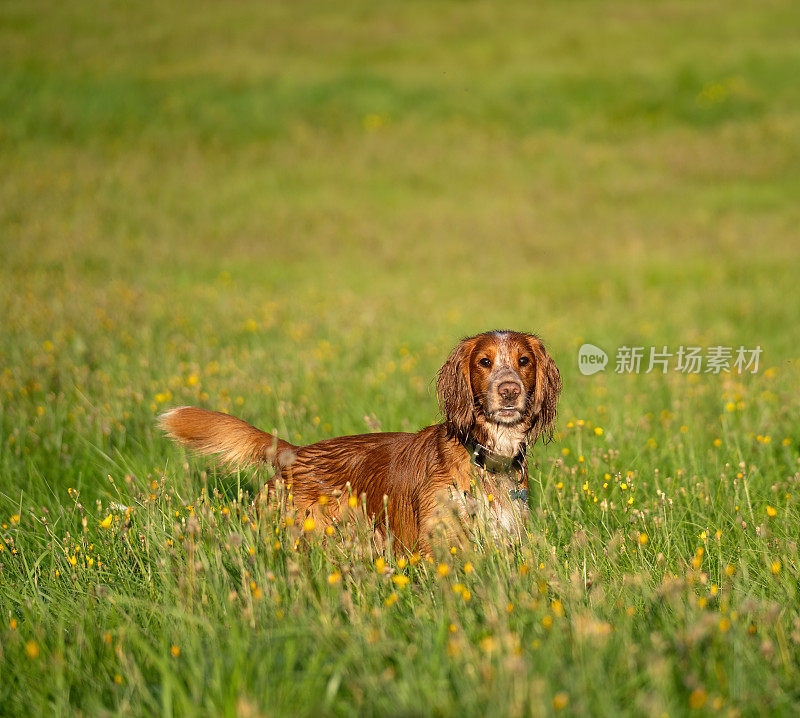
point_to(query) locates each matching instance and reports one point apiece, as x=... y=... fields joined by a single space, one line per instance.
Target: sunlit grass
x=666 y=586
x=292 y=213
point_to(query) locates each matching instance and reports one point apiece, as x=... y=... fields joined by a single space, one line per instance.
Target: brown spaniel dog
x=498 y=392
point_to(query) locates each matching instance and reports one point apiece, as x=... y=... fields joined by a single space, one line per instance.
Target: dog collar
x=490 y=461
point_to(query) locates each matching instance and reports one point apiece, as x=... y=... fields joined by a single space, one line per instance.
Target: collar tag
x=518 y=495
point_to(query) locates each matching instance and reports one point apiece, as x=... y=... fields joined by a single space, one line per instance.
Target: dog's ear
x=548 y=389
x=454 y=390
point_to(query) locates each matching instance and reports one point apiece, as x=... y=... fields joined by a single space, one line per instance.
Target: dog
x=498 y=392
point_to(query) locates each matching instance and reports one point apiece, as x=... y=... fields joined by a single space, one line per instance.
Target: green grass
x=292 y=211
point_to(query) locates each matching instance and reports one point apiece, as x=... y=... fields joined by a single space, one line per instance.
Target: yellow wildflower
x=560 y=701
x=488 y=644
x=697 y=699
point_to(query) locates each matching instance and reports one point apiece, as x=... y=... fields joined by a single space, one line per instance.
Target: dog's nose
x=509 y=391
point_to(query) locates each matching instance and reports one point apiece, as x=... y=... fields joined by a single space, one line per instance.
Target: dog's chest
x=490 y=504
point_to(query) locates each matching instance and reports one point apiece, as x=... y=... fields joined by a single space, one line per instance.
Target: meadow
x=292 y=212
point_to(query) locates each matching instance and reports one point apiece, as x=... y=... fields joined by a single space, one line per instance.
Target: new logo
x=591 y=359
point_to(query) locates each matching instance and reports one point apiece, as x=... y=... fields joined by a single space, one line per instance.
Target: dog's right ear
x=454 y=391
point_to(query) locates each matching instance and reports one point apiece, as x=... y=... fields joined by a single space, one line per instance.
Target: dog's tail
x=234 y=442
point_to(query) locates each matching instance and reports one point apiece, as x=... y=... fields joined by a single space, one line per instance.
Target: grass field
x=292 y=212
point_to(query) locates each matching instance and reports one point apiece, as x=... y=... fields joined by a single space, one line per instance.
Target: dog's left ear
x=548 y=389
x=454 y=391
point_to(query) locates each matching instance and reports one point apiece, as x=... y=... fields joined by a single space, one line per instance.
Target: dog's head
x=502 y=378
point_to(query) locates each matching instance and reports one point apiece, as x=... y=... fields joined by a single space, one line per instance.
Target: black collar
x=490 y=461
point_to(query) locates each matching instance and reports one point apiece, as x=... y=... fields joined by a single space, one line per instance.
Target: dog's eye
x=485 y=362
x=524 y=361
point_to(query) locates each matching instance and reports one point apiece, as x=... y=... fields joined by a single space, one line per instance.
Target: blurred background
x=293 y=210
